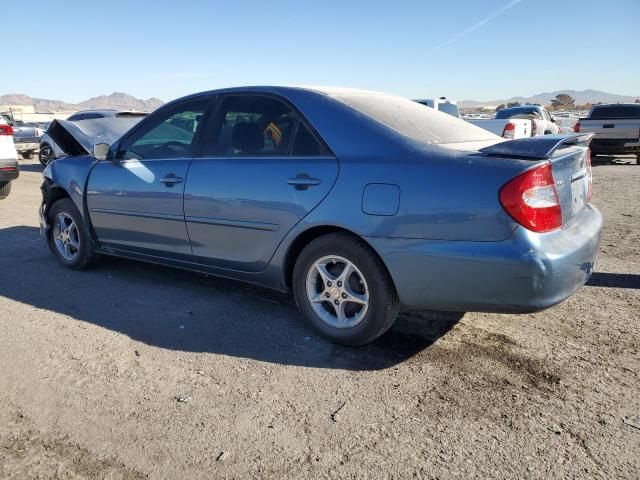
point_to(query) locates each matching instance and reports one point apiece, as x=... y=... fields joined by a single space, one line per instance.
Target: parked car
x=441 y=104
x=511 y=128
x=26 y=136
x=566 y=124
x=399 y=206
x=9 y=169
x=542 y=121
x=50 y=150
x=616 y=129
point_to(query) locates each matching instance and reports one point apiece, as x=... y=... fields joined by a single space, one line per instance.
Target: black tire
x=638 y=159
x=46 y=154
x=85 y=254
x=27 y=155
x=383 y=305
x=5 y=190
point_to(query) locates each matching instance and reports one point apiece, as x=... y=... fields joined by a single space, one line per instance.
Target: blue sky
x=482 y=50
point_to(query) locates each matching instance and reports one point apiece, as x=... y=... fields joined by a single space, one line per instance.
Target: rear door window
x=258 y=126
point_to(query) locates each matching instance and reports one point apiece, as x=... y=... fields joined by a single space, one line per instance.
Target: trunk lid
x=570 y=165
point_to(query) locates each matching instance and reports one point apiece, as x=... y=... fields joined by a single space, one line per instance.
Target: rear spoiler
x=537 y=148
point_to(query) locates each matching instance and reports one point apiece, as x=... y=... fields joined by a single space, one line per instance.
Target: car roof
x=284 y=89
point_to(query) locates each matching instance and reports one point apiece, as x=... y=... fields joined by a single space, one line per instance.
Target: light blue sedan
x=360 y=203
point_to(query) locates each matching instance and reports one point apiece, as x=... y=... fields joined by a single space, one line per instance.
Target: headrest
x=247 y=138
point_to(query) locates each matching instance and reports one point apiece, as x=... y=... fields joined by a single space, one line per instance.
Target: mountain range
x=580 y=96
x=117 y=101
x=123 y=101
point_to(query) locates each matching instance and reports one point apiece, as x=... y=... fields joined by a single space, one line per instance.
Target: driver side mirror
x=100 y=151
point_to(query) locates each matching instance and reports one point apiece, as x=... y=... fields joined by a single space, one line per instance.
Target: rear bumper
x=9 y=170
x=525 y=273
x=614 y=145
x=26 y=146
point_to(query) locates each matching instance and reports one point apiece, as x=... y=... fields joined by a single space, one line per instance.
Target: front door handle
x=303 y=181
x=170 y=180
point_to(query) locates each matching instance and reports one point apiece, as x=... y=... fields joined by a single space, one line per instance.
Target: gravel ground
x=94 y=364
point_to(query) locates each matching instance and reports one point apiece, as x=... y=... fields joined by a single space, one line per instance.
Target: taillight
x=6 y=130
x=589 y=175
x=533 y=128
x=531 y=199
x=509 y=131
x=576 y=129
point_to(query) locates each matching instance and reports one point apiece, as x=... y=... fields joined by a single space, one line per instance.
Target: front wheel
x=27 y=155
x=344 y=290
x=68 y=239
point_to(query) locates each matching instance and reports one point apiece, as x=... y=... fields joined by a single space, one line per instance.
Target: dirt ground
x=92 y=365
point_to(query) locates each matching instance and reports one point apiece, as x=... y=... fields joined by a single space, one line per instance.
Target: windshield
x=616 y=111
x=413 y=120
x=512 y=112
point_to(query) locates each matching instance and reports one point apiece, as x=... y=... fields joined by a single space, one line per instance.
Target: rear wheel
x=638 y=159
x=344 y=290
x=46 y=155
x=5 y=189
x=27 y=155
x=68 y=239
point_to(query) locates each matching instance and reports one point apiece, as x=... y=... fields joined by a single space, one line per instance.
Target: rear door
x=135 y=201
x=262 y=169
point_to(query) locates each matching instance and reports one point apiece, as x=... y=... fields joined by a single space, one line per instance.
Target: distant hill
x=581 y=97
x=117 y=101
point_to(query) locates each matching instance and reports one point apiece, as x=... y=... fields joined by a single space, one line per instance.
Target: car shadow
x=186 y=311
x=614 y=280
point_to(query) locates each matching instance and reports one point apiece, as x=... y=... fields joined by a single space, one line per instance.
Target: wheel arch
x=53 y=193
x=307 y=236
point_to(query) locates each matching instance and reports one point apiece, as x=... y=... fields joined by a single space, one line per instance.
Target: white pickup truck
x=510 y=128
x=542 y=123
x=616 y=128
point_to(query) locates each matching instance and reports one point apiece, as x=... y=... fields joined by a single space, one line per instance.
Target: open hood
x=79 y=137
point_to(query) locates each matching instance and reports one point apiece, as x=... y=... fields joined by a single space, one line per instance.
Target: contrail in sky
x=469 y=30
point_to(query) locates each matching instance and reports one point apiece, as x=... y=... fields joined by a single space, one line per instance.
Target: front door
x=262 y=170
x=135 y=201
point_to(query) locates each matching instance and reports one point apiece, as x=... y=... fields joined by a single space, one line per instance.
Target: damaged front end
x=78 y=137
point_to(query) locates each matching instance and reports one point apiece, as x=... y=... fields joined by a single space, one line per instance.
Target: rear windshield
x=413 y=120
x=512 y=112
x=616 y=111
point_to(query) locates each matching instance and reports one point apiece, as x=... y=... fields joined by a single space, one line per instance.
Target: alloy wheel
x=337 y=291
x=66 y=236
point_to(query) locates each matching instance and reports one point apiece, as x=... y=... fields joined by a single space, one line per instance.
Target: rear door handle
x=303 y=181
x=170 y=180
